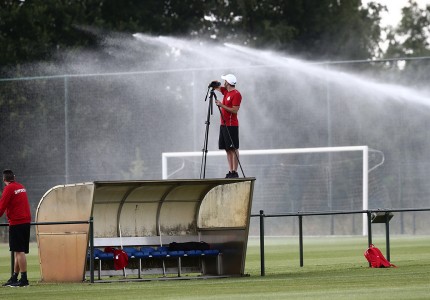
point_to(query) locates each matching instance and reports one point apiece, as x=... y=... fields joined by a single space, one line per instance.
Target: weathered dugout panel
x=63 y=248
x=216 y=211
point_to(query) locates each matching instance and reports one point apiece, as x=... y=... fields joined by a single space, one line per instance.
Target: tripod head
x=214 y=84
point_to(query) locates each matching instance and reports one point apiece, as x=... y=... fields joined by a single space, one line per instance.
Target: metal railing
x=90 y=237
x=300 y=216
x=262 y=216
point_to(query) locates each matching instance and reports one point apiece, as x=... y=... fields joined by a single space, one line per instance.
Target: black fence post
x=301 y=239
x=263 y=271
x=91 y=250
x=387 y=234
x=369 y=228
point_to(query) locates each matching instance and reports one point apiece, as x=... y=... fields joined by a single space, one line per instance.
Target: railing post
x=369 y=228
x=91 y=250
x=301 y=239
x=387 y=234
x=263 y=271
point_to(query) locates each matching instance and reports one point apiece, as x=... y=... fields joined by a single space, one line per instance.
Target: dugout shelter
x=142 y=213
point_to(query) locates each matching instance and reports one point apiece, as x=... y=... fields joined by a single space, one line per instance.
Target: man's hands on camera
x=214 y=84
x=218 y=103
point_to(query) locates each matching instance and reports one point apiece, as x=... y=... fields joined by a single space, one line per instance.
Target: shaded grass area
x=334 y=268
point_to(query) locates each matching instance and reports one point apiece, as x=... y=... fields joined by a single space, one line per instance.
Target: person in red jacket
x=229 y=129
x=14 y=202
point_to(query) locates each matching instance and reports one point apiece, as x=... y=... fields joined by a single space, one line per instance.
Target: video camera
x=214 y=84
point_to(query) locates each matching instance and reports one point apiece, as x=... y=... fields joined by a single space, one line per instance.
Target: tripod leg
x=205 y=144
x=204 y=154
x=236 y=161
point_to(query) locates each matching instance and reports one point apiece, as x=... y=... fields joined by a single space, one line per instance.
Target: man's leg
x=20 y=262
x=229 y=160
x=21 y=266
x=235 y=159
x=14 y=278
x=232 y=160
x=233 y=153
x=16 y=264
x=19 y=238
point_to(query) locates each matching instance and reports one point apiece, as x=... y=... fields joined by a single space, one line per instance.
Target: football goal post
x=306 y=179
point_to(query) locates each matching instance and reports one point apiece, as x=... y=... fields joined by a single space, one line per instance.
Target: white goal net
x=292 y=180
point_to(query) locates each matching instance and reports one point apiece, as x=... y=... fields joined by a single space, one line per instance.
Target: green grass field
x=334 y=268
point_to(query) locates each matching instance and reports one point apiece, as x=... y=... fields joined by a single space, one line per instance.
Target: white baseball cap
x=230 y=78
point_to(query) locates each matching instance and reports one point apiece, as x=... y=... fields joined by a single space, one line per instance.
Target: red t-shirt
x=120 y=257
x=232 y=98
x=14 y=202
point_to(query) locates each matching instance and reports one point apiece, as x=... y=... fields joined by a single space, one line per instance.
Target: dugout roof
x=216 y=211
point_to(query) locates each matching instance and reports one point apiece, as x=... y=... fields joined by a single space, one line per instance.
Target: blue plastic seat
x=194 y=253
x=211 y=252
x=130 y=251
x=147 y=249
x=97 y=253
x=159 y=254
x=176 y=253
x=105 y=256
x=140 y=254
x=144 y=252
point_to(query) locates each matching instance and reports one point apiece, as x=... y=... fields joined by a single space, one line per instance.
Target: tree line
x=34 y=30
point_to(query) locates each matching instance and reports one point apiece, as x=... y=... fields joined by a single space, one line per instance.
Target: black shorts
x=224 y=141
x=19 y=237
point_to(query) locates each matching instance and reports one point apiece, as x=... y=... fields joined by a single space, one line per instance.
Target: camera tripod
x=205 y=145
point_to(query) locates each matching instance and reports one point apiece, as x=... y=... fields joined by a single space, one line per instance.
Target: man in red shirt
x=14 y=202
x=229 y=130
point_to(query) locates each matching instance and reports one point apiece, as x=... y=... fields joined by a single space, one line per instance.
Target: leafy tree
x=324 y=29
x=411 y=39
x=35 y=30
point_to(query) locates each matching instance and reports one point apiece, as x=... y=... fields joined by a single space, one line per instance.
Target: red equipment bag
x=376 y=259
